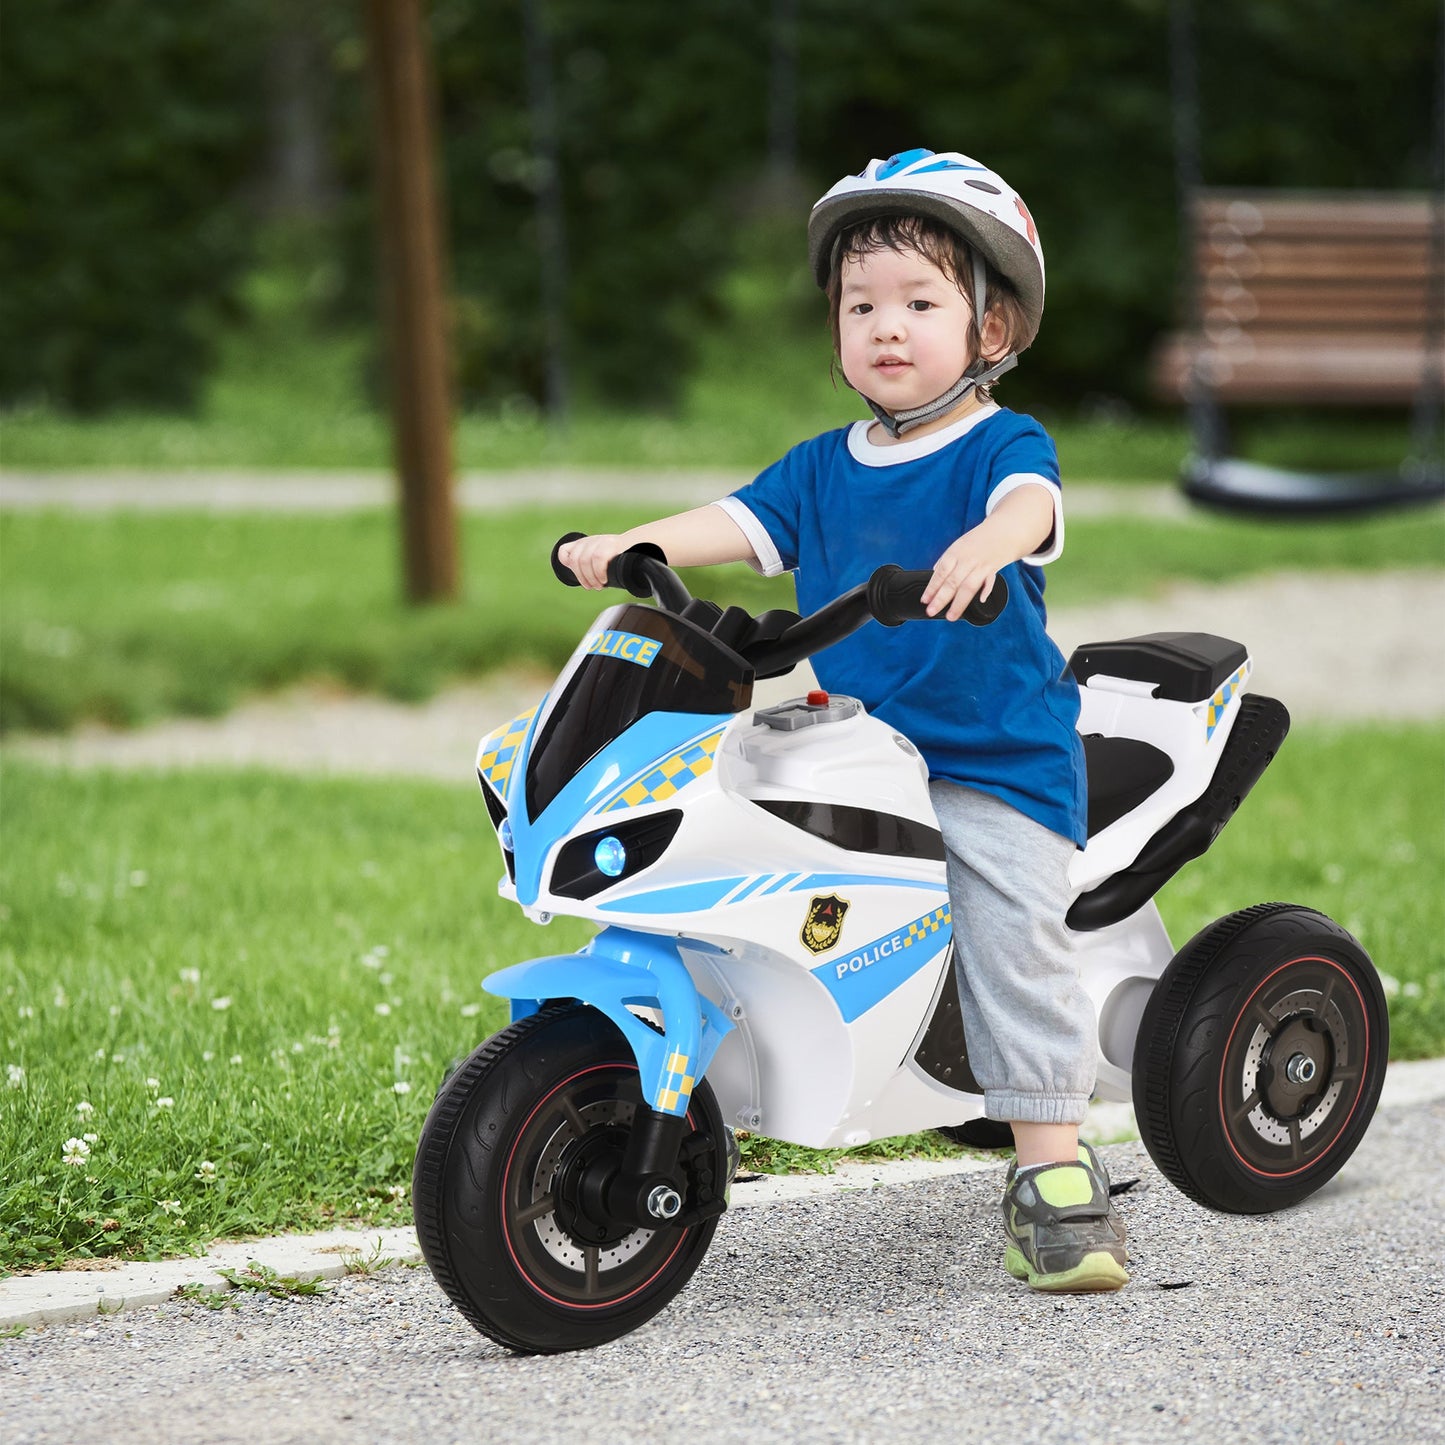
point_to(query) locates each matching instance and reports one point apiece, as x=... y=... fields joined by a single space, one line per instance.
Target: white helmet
x=951 y=188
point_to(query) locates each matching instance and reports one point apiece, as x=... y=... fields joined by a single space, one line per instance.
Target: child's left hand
x=1017 y=527
x=964 y=572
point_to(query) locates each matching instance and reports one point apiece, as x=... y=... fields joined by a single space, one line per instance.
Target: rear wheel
x=501 y=1209
x=1260 y=1058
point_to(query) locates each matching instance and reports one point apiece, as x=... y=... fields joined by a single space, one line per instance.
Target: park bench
x=1309 y=299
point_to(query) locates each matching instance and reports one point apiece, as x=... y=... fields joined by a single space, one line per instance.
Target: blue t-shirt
x=989 y=707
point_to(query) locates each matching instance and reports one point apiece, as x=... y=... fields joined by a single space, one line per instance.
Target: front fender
x=617 y=968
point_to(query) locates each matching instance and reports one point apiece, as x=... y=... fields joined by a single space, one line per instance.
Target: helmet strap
x=896 y=424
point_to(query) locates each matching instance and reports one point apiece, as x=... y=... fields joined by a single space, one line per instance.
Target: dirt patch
x=1341 y=647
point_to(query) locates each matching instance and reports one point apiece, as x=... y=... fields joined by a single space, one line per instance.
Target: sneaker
x=1064 y=1233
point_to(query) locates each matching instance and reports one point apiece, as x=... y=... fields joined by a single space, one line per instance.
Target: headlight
x=610 y=856
x=597 y=860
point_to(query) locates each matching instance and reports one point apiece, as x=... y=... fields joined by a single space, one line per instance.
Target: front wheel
x=1260 y=1058
x=502 y=1227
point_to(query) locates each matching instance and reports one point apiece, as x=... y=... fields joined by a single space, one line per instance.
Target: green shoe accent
x=1065 y=1185
x=1094 y=1274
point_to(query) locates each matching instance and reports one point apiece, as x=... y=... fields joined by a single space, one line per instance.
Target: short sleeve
x=768 y=510
x=1030 y=459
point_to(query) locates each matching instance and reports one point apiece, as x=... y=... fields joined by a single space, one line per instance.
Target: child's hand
x=588 y=557
x=1016 y=528
x=964 y=572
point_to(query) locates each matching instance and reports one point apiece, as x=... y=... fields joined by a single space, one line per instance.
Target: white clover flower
x=191 y=975
x=84 y=1109
x=117 y=1058
x=59 y=999
x=298 y=1047
x=99 y=1055
x=235 y=1058
x=206 y=1173
x=396 y=1191
x=381 y=951
x=26 y=1011
x=153 y=1084
x=114 y=1010
x=165 y=1102
x=383 y=1009
x=75 y=1152
x=401 y=1087
x=221 y=1004
x=14 y=1076
x=91 y=1138
x=471 y=1010
x=169 y=1206
x=207 y=1055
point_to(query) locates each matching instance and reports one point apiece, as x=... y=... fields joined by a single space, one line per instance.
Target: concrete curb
x=56 y=1296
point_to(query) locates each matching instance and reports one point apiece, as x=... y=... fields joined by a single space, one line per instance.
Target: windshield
x=635 y=660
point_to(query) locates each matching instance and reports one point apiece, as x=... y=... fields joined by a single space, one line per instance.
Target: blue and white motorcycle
x=774 y=953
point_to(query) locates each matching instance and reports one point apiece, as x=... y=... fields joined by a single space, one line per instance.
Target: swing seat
x=1231 y=485
x=1326 y=298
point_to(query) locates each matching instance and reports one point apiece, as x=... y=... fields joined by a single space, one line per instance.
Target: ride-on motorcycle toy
x=775 y=952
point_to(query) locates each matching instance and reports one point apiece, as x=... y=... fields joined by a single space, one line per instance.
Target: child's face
x=903 y=329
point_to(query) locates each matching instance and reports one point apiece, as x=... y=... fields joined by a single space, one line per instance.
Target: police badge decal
x=824 y=923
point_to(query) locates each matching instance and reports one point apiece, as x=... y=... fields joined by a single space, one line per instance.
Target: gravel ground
x=841 y=1319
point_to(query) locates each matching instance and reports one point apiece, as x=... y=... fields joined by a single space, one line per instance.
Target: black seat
x=1122 y=772
x=1184 y=666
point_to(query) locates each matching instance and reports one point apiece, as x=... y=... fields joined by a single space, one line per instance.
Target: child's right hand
x=588 y=558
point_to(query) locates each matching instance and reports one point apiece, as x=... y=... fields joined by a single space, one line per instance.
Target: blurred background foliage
x=155 y=156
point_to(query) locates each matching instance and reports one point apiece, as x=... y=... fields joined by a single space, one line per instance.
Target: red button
x=818 y=698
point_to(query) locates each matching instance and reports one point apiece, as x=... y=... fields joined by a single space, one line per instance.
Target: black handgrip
x=623 y=571
x=565 y=575
x=896 y=597
x=629 y=571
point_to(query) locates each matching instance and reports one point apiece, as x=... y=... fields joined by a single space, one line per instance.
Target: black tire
x=1260 y=1057
x=979 y=1134
x=494 y=1142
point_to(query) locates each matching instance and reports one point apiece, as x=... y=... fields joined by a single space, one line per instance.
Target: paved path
x=134 y=489
x=858 y=1317
x=1341 y=648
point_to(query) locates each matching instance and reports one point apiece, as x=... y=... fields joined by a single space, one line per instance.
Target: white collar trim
x=872 y=455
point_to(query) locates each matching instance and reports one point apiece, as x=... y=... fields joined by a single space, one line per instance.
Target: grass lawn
x=134 y=615
x=244 y=987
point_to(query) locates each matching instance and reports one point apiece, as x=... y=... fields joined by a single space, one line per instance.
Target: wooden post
x=412 y=270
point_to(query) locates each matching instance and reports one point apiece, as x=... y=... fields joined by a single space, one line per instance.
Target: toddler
x=935 y=283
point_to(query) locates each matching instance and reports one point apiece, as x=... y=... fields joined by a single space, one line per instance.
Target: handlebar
x=891 y=596
x=641 y=570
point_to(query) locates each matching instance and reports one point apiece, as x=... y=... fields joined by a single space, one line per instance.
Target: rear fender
x=617 y=968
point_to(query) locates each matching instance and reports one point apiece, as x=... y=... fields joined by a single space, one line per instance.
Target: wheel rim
x=1294 y=1067
x=569 y=1259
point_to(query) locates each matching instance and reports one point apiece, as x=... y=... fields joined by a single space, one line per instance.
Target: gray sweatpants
x=1029 y=1026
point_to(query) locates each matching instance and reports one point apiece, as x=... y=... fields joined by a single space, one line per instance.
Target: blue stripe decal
x=867 y=975
x=781 y=883
x=688 y=898
x=752 y=887
x=857 y=880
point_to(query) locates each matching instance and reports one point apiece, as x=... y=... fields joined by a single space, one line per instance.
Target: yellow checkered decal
x=668 y=777
x=929 y=923
x=1221 y=700
x=500 y=748
x=676 y=1088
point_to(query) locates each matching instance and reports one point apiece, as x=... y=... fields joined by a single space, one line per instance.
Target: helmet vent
x=982 y=186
